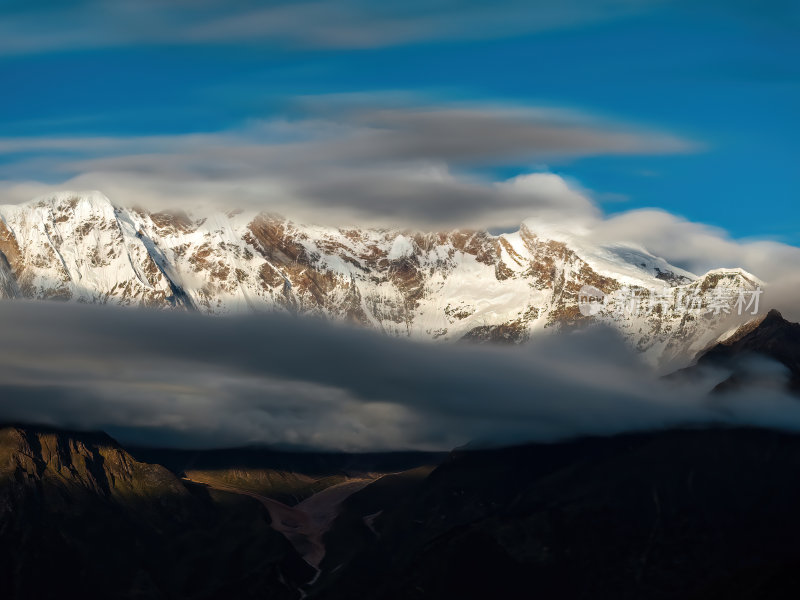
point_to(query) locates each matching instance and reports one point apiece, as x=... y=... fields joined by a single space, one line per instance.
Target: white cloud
x=86 y=24
x=699 y=248
x=347 y=159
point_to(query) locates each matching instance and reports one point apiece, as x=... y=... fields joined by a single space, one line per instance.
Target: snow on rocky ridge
x=444 y=285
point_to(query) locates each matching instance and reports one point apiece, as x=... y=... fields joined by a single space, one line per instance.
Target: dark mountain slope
x=676 y=514
x=709 y=513
x=761 y=355
x=773 y=337
x=81 y=518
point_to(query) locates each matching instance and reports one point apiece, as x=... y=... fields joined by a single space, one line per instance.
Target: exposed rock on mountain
x=437 y=285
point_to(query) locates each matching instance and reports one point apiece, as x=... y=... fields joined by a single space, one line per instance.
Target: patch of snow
x=401 y=248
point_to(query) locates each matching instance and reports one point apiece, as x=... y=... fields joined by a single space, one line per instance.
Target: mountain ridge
x=80 y=517
x=448 y=285
x=676 y=513
x=771 y=337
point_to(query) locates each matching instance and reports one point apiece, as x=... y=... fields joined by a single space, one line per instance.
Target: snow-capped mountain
x=445 y=285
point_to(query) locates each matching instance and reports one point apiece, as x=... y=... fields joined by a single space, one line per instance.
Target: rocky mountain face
x=81 y=518
x=437 y=285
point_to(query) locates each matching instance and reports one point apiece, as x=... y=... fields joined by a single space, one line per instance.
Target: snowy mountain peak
x=447 y=285
x=76 y=202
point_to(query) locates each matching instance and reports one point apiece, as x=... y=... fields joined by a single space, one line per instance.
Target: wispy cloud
x=48 y=26
x=696 y=246
x=398 y=160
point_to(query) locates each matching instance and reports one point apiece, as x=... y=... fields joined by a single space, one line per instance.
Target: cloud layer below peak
x=186 y=380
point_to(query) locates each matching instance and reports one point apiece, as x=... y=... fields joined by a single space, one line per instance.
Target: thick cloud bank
x=187 y=380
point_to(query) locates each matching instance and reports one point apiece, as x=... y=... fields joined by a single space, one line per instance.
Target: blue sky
x=722 y=77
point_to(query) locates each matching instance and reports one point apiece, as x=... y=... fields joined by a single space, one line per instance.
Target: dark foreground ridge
x=81 y=518
x=706 y=513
